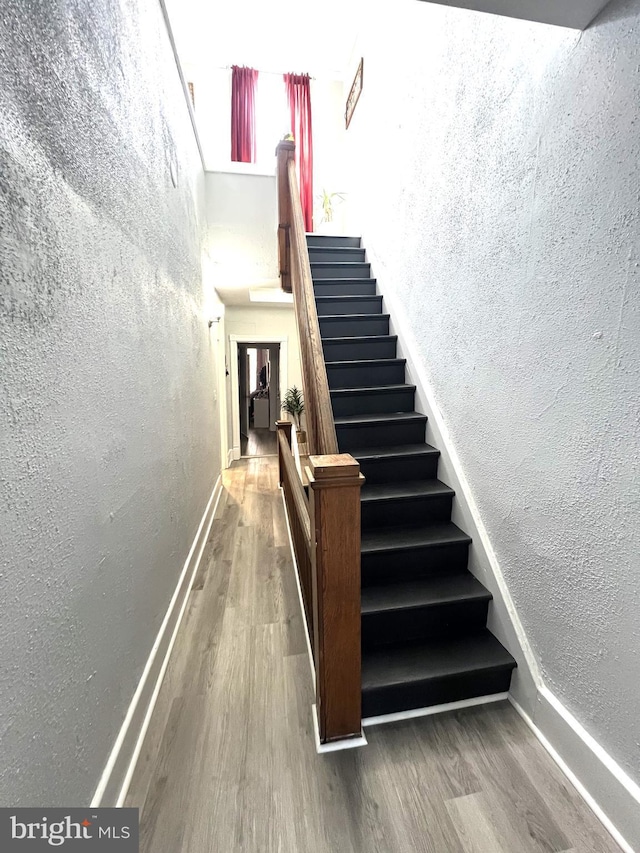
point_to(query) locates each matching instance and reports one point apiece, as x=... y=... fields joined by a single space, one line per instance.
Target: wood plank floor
x=260 y=442
x=229 y=762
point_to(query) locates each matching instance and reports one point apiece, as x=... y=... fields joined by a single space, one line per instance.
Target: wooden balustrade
x=297 y=505
x=296 y=276
x=325 y=527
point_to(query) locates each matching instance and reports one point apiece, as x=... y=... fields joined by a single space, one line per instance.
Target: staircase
x=424 y=635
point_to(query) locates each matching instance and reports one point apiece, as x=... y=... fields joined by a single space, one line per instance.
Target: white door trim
x=234 y=340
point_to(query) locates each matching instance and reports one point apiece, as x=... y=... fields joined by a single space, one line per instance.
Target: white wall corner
x=116 y=777
x=605 y=787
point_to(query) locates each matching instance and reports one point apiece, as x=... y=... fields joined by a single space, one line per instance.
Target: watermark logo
x=74 y=830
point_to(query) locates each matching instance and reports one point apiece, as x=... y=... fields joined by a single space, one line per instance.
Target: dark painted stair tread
x=326 y=238
x=366 y=362
x=380 y=417
x=410 y=489
x=328 y=247
x=345 y=317
x=342 y=281
x=399 y=538
x=361 y=339
x=393 y=451
x=370 y=389
x=423 y=612
x=349 y=297
x=433 y=659
x=429 y=592
x=348 y=265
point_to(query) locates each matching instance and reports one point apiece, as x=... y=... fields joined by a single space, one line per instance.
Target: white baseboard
x=116 y=777
x=605 y=787
x=414 y=713
x=336 y=745
x=235 y=454
x=230 y=457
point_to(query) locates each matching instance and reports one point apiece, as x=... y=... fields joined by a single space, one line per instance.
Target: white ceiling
x=305 y=37
x=565 y=13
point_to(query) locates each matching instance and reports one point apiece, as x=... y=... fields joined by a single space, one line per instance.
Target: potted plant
x=293 y=404
x=328 y=201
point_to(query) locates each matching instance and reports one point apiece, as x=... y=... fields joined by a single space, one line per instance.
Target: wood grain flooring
x=229 y=762
x=260 y=442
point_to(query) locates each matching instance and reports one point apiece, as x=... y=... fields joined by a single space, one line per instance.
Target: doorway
x=278 y=378
x=258 y=397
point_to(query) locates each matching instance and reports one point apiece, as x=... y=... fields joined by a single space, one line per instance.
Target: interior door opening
x=259 y=397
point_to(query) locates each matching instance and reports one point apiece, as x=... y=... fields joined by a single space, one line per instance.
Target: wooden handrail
x=325 y=527
x=296 y=276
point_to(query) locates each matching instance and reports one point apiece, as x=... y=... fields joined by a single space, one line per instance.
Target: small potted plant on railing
x=293 y=404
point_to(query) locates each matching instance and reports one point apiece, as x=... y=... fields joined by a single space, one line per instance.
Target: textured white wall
x=242 y=229
x=496 y=166
x=110 y=444
x=327 y=103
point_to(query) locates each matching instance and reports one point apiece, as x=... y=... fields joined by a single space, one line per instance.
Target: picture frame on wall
x=354 y=93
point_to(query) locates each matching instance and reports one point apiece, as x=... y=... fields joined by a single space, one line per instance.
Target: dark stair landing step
x=366 y=373
x=353 y=325
x=430 y=608
x=345 y=287
x=414 y=502
x=356 y=349
x=394 y=554
x=332 y=240
x=396 y=463
x=336 y=254
x=400 y=678
x=351 y=304
x=368 y=401
x=339 y=269
x=374 y=430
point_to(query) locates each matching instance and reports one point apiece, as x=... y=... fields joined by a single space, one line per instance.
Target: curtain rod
x=259 y=70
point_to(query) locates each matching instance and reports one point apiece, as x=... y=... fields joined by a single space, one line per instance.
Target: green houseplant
x=327 y=204
x=293 y=404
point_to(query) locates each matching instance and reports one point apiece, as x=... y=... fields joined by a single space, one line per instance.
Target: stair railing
x=325 y=525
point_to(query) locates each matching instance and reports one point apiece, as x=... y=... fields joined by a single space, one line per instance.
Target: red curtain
x=243 y=114
x=299 y=95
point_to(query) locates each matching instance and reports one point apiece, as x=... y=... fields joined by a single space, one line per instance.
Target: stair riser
x=369 y=404
x=413 y=563
x=406 y=512
x=364 y=305
x=423 y=623
x=365 y=375
x=400 y=469
x=380 y=435
x=346 y=351
x=386 y=700
x=351 y=287
x=354 y=327
x=337 y=255
x=329 y=240
x=351 y=270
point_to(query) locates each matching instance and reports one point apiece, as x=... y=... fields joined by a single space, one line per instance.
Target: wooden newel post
x=284 y=152
x=334 y=500
x=285 y=428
